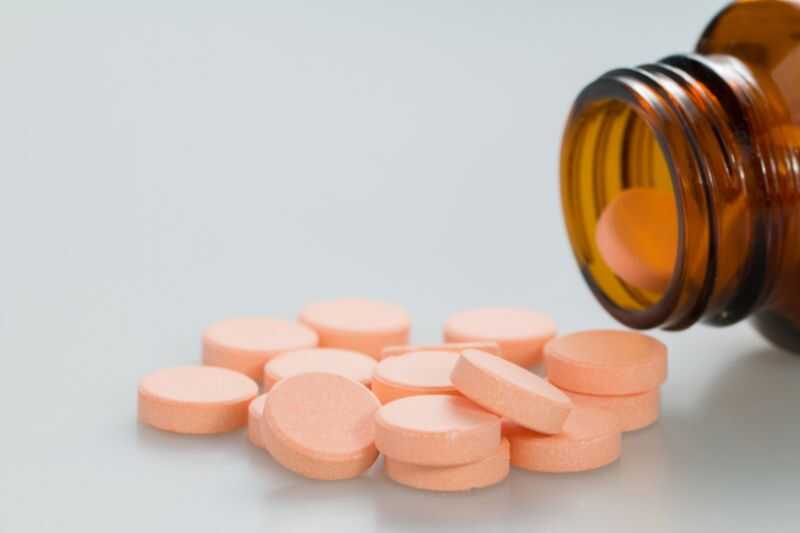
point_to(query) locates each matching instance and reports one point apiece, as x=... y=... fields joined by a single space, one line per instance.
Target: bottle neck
x=725 y=162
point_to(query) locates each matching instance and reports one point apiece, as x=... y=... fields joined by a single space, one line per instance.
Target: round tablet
x=480 y=474
x=458 y=347
x=361 y=325
x=634 y=411
x=436 y=430
x=254 y=416
x=637 y=237
x=354 y=365
x=414 y=374
x=519 y=332
x=591 y=439
x=310 y=466
x=320 y=425
x=510 y=391
x=195 y=399
x=606 y=362
x=245 y=344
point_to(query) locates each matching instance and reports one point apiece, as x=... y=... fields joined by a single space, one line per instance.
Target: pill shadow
x=312 y=490
x=209 y=448
x=392 y=506
x=343 y=505
x=262 y=462
x=747 y=414
x=149 y=438
x=399 y=507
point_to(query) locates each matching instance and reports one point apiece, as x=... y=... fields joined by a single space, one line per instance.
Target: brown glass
x=720 y=128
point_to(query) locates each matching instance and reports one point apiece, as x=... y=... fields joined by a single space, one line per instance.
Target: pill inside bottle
x=630 y=219
x=637 y=236
x=624 y=217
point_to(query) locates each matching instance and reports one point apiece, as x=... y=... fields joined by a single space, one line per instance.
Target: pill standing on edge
x=633 y=411
x=255 y=412
x=357 y=324
x=511 y=391
x=436 y=430
x=490 y=346
x=482 y=473
x=591 y=439
x=637 y=236
x=520 y=333
x=195 y=399
x=354 y=365
x=245 y=344
x=320 y=425
x=413 y=374
x=606 y=362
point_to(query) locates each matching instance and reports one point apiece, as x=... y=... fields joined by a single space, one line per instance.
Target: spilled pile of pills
x=342 y=386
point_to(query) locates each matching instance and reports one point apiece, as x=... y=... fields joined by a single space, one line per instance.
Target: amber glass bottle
x=717 y=133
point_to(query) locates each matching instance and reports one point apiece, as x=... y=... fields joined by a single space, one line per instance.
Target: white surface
x=173 y=163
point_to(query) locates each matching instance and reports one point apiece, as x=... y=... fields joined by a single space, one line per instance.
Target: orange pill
x=436 y=430
x=320 y=425
x=520 y=333
x=591 y=439
x=245 y=344
x=637 y=237
x=511 y=391
x=354 y=365
x=195 y=399
x=391 y=351
x=313 y=467
x=414 y=374
x=255 y=413
x=633 y=411
x=480 y=474
x=606 y=362
x=365 y=326
x=506 y=426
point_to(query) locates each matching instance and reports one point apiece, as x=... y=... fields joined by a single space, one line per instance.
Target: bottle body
x=681 y=180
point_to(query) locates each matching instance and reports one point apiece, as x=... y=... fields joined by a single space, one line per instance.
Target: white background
x=168 y=164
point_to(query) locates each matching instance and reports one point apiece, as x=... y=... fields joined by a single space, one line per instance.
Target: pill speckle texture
x=320 y=425
x=591 y=439
x=342 y=386
x=480 y=474
x=245 y=344
x=354 y=365
x=436 y=431
x=520 y=333
x=606 y=362
x=511 y=391
x=357 y=324
x=195 y=399
x=633 y=411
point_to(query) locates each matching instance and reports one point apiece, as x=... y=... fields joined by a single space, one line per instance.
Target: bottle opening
x=665 y=172
x=620 y=207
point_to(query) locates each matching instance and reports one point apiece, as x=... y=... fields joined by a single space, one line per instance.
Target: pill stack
x=341 y=386
x=619 y=371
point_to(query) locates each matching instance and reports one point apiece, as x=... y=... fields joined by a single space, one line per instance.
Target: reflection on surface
x=749 y=412
x=405 y=508
x=151 y=439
